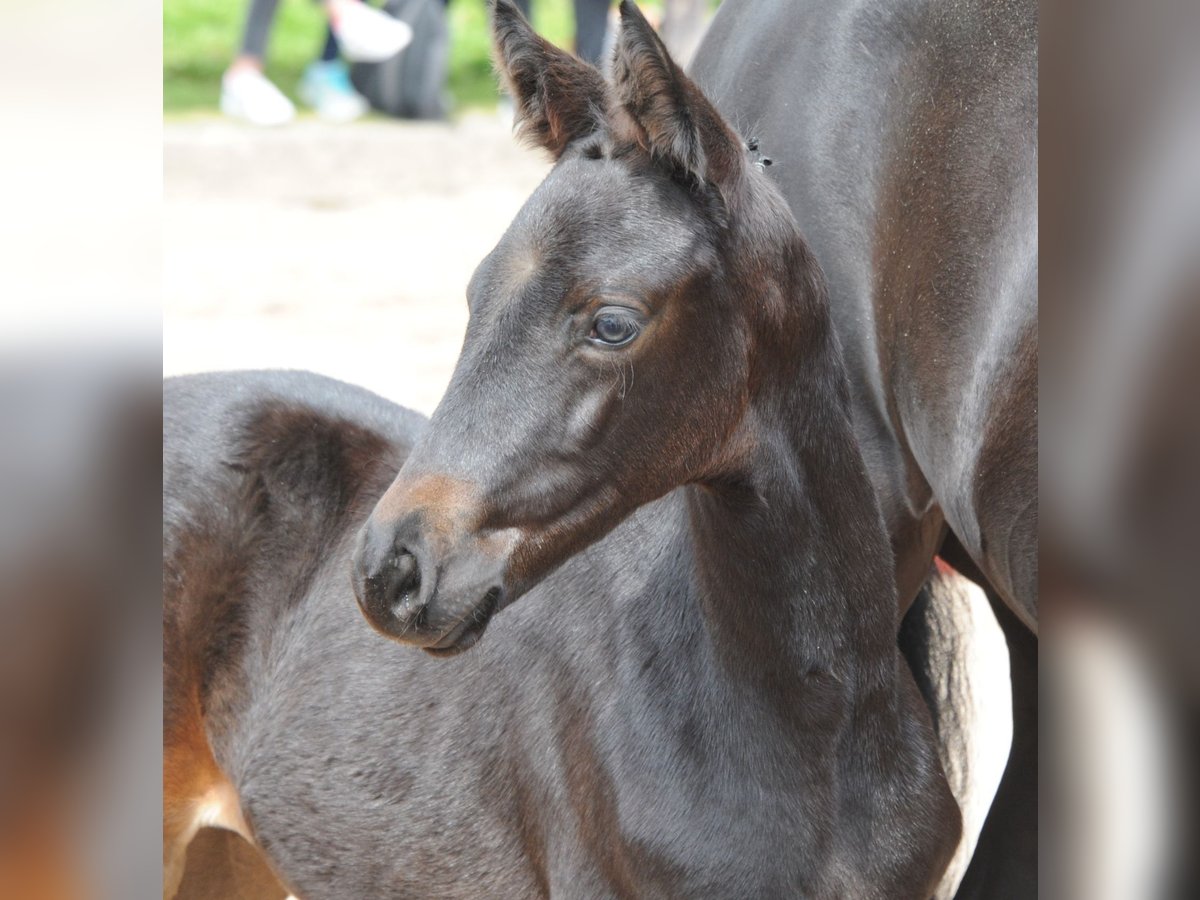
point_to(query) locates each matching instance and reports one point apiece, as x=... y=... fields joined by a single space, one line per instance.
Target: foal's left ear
x=679 y=125
x=558 y=97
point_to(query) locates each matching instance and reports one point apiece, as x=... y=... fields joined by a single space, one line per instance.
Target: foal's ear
x=680 y=126
x=558 y=97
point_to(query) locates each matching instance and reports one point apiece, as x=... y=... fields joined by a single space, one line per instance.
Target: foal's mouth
x=466 y=632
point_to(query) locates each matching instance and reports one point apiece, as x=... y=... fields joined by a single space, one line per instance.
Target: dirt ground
x=344 y=249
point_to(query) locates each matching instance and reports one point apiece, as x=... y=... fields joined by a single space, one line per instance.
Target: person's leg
x=246 y=93
x=591 y=24
x=330 y=51
x=259 y=18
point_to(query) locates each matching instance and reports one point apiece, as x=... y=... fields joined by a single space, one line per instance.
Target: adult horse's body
x=903 y=135
x=645 y=464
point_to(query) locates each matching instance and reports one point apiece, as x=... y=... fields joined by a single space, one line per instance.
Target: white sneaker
x=366 y=34
x=250 y=96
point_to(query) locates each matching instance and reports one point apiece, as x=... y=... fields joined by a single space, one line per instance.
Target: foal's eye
x=613 y=328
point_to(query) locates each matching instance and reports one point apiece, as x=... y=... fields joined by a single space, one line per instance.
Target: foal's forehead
x=600 y=214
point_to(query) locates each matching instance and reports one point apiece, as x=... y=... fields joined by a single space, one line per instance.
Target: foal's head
x=651 y=289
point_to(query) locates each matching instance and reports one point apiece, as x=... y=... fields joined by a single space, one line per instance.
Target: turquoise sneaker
x=326 y=88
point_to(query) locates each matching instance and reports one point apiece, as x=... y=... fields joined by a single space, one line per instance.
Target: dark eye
x=613 y=329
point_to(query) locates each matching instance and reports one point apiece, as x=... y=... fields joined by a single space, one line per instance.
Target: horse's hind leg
x=196 y=793
x=221 y=865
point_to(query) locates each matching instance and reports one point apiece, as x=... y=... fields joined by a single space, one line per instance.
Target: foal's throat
x=792 y=566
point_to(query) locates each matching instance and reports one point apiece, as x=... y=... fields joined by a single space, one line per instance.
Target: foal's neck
x=793 y=566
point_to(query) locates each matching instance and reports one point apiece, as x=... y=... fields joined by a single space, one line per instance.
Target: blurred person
x=591 y=29
x=591 y=37
x=356 y=31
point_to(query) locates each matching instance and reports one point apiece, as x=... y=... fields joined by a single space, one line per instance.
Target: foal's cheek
x=588 y=418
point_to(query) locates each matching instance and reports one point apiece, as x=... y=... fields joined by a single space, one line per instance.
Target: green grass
x=201 y=36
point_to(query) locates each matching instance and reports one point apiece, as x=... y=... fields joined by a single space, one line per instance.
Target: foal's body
x=614 y=735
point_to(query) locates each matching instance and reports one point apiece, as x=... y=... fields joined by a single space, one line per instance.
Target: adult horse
x=903 y=135
x=643 y=480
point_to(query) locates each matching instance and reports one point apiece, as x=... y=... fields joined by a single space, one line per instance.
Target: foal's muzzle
x=415 y=585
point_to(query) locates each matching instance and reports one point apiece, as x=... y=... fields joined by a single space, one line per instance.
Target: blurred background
x=201 y=37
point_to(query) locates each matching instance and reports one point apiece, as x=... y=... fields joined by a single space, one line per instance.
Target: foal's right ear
x=677 y=122
x=558 y=97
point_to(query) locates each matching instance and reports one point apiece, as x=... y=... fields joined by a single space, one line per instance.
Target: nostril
x=392 y=593
x=404 y=585
x=406 y=566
